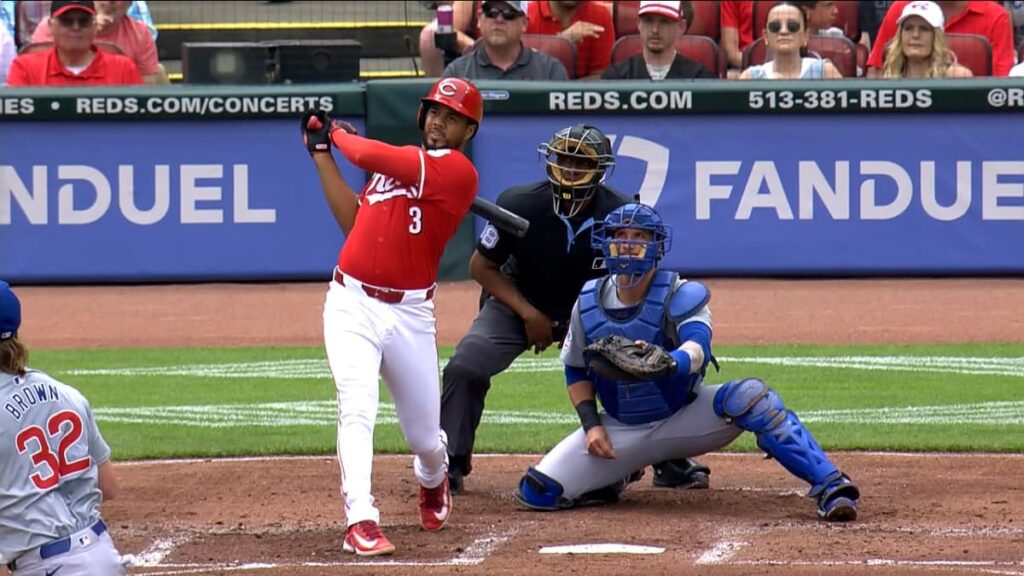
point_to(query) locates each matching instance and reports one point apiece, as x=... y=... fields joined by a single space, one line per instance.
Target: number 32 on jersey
x=64 y=428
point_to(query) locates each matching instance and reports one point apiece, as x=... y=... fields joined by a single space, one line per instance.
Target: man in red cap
x=379 y=311
x=74 y=59
x=660 y=24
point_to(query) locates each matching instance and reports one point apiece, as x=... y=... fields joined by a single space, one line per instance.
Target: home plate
x=601 y=549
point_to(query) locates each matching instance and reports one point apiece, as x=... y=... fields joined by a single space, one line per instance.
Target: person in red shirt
x=588 y=25
x=737 y=23
x=74 y=59
x=988 y=19
x=379 y=311
x=132 y=37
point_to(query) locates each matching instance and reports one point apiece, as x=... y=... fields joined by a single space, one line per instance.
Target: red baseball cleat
x=435 y=506
x=365 y=539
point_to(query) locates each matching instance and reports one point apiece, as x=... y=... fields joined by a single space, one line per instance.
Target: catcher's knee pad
x=539 y=491
x=752 y=405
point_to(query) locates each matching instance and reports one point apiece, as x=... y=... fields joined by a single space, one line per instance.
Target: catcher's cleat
x=681 y=474
x=838 y=500
x=365 y=539
x=435 y=506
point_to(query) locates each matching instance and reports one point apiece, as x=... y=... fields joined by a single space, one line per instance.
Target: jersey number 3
x=416 y=226
x=66 y=425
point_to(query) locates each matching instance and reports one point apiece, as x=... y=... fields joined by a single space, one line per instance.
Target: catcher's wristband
x=587 y=411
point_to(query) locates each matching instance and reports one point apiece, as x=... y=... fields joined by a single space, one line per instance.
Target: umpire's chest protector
x=635 y=402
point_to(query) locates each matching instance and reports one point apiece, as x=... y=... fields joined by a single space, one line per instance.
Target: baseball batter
x=55 y=469
x=677 y=416
x=379 y=309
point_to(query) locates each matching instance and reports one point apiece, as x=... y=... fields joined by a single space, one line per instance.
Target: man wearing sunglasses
x=500 y=53
x=660 y=23
x=74 y=59
x=115 y=26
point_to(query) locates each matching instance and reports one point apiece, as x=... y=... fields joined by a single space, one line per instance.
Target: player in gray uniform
x=55 y=469
x=675 y=417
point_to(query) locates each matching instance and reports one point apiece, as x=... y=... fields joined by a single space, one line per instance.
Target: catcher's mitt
x=618 y=358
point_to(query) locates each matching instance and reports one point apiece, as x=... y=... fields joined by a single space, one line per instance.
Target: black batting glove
x=316 y=131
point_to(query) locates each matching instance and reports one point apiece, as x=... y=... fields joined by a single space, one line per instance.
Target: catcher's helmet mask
x=632 y=257
x=578 y=160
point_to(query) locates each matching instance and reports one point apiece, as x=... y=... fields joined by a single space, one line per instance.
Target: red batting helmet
x=458 y=94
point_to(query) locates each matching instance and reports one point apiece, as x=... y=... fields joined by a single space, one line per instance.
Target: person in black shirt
x=529 y=287
x=660 y=24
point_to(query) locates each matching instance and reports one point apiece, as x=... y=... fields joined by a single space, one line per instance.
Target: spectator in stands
x=1016 y=10
x=660 y=24
x=588 y=25
x=870 y=14
x=821 y=17
x=919 y=49
x=786 y=39
x=501 y=54
x=29 y=13
x=7 y=17
x=737 y=24
x=7 y=53
x=1017 y=70
x=984 y=18
x=74 y=59
x=466 y=32
x=115 y=27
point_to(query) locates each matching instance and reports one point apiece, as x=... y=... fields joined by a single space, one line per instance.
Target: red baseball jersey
x=408 y=211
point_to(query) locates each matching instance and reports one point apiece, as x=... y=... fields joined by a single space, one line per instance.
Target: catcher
x=639 y=340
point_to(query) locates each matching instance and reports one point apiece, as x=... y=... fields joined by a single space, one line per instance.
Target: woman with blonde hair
x=786 y=38
x=918 y=49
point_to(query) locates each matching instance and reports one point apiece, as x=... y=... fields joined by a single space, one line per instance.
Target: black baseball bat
x=501 y=218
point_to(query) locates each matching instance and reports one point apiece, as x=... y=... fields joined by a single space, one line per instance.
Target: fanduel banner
x=154 y=201
x=815 y=195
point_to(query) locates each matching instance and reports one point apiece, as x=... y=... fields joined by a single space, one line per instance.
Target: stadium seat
x=841 y=51
x=706 y=20
x=556 y=46
x=972 y=52
x=700 y=49
x=754 y=54
x=624 y=17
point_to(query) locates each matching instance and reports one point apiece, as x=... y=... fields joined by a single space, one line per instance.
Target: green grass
x=955 y=399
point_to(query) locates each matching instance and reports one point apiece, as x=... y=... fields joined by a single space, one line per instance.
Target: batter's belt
x=386 y=295
x=58 y=547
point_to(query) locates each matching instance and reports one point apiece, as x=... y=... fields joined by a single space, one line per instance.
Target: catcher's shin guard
x=538 y=491
x=752 y=405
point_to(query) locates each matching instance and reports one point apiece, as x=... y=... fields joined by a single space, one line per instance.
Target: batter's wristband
x=587 y=411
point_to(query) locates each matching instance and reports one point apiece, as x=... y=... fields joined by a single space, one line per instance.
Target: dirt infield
x=920 y=514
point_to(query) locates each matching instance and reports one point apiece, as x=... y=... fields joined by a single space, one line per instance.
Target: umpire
x=529 y=287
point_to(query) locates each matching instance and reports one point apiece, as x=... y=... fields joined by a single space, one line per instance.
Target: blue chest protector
x=652 y=321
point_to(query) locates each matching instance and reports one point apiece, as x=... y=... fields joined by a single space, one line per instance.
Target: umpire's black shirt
x=554 y=260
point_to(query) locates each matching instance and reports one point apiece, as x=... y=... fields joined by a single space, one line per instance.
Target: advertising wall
x=771 y=178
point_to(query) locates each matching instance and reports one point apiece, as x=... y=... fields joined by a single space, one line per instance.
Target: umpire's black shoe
x=456 y=481
x=682 y=474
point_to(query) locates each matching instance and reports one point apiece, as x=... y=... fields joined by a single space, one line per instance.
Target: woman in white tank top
x=786 y=39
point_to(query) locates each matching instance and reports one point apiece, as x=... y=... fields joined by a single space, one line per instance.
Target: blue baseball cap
x=10 y=312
